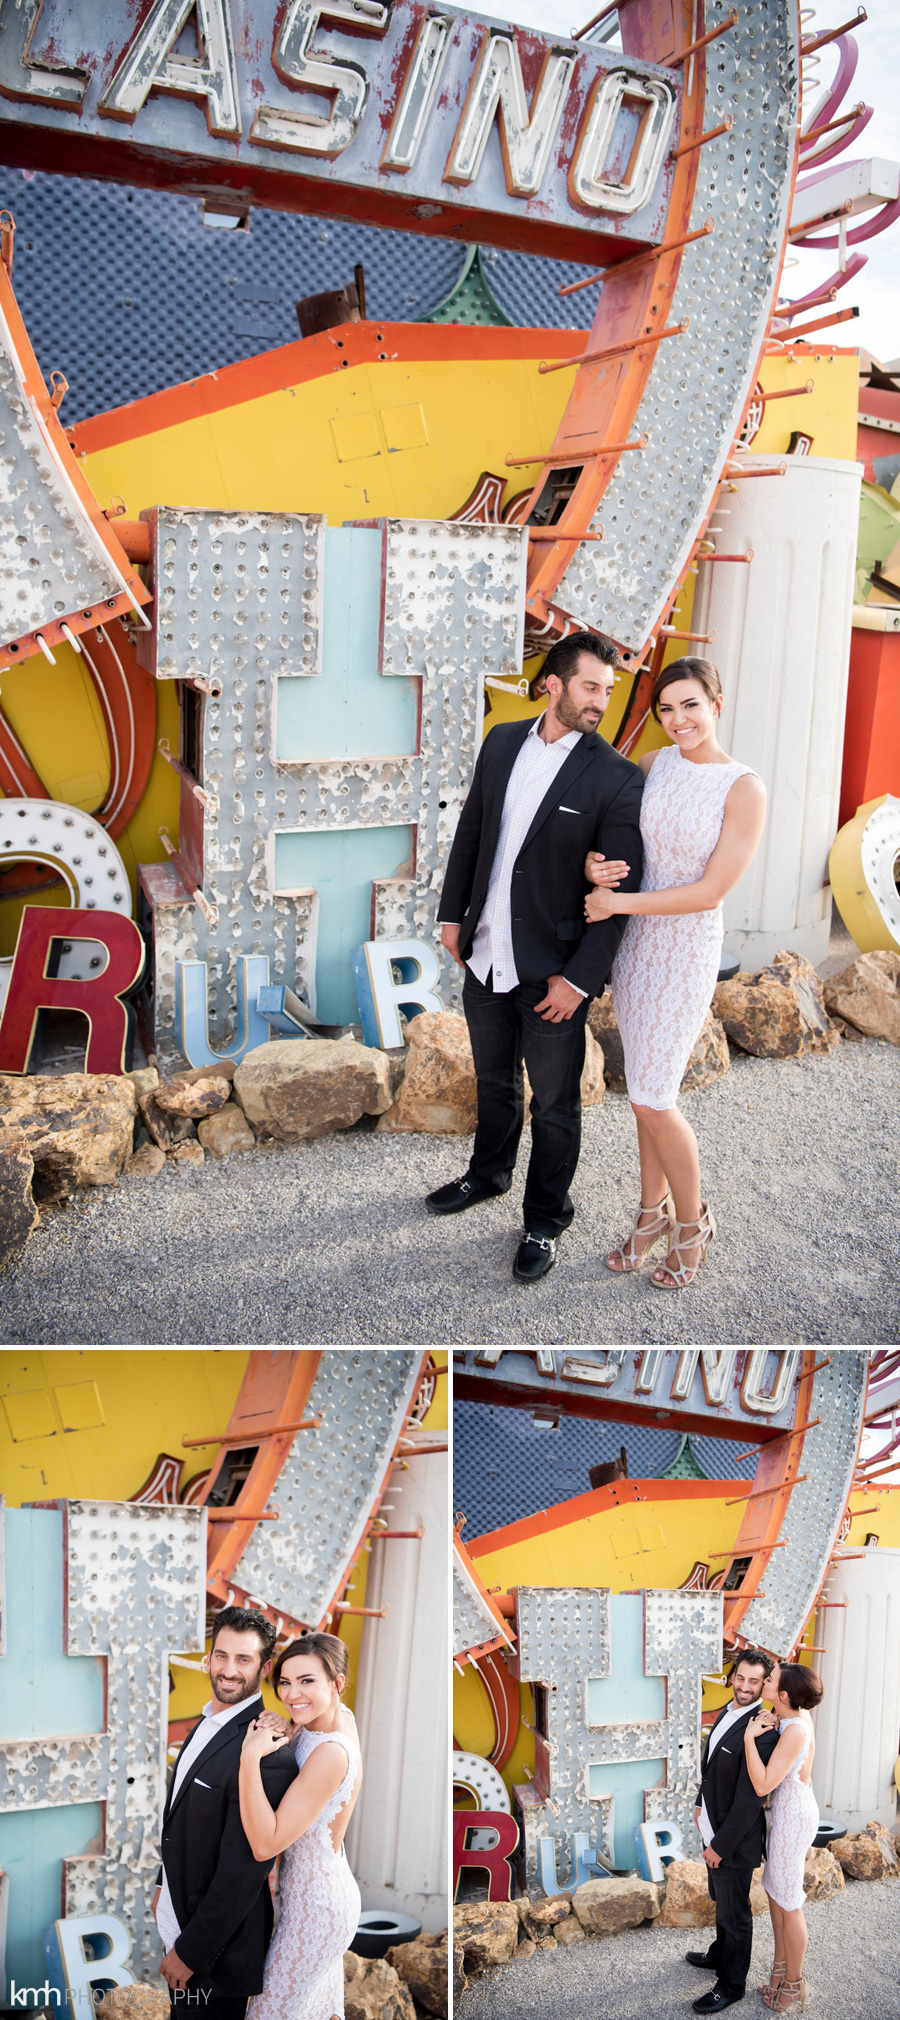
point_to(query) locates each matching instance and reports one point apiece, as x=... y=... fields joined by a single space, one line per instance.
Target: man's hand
x=560 y=1002
x=176 y=1973
x=450 y=940
x=712 y=1858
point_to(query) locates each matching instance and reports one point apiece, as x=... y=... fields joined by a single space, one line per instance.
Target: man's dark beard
x=568 y=713
x=237 y=1697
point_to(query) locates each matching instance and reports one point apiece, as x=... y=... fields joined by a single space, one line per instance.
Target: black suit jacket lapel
x=564 y=779
x=510 y=751
x=213 y=1746
x=713 y=1728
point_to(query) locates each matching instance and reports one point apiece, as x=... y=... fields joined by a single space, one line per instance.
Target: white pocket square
x=569 y=810
x=202 y=1785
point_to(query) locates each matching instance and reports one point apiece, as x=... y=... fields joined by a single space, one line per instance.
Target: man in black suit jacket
x=544 y=793
x=212 y=1903
x=732 y=1825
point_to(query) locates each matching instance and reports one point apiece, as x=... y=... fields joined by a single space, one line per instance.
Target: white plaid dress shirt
x=530 y=780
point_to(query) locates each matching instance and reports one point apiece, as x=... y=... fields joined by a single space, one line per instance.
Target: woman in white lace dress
x=794 y=1820
x=702 y=816
x=320 y=1901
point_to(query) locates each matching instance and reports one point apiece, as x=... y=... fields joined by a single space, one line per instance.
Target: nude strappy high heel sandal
x=653 y=1230
x=791 y=1992
x=682 y=1240
x=776 y=1980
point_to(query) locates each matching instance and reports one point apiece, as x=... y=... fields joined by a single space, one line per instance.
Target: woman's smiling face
x=305 y=1688
x=687 y=714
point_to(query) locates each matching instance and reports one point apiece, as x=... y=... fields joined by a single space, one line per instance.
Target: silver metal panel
x=329 y=1481
x=473 y=1621
x=51 y=560
x=727 y=286
x=816 y=1506
x=135 y=1589
x=682 y=1642
x=565 y=1637
x=240 y=602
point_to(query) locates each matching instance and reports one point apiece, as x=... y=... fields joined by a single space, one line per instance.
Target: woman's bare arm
x=742 y=826
x=766 y=1776
x=268 y=1831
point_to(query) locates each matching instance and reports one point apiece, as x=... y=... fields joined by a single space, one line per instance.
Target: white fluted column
x=782 y=647
x=397 y=1839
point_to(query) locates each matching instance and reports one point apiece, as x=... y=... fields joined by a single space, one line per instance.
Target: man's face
x=236 y=1667
x=581 y=704
x=747 y=1683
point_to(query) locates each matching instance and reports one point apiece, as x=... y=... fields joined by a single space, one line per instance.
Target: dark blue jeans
x=505 y=1032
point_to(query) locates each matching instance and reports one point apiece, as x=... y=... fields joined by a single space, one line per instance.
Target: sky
x=875 y=291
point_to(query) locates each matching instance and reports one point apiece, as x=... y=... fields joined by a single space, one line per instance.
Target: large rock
x=778 y=1012
x=295 y=1089
x=372 y=1988
x=423 y=1966
x=867 y=995
x=604 y=1907
x=78 y=1127
x=687 y=1904
x=198 y=1097
x=869 y=1854
x=709 y=1059
x=226 y=1132
x=18 y=1213
x=822 y=1874
x=191 y=1152
x=438 y=1090
x=488 y=1932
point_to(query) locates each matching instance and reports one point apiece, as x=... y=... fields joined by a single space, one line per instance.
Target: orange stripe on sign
x=619 y=1494
x=312 y=358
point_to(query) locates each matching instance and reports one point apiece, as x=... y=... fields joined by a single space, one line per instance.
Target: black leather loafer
x=458 y=1195
x=716 y=2000
x=699 y=1960
x=536 y=1254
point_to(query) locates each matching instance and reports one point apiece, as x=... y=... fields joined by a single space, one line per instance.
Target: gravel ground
x=329 y=1243
x=641 y=1975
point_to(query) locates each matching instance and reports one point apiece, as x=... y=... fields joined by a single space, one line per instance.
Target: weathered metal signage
x=706 y=1388
x=392 y=111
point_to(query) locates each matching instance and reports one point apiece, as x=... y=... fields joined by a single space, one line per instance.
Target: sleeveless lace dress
x=320 y=1909
x=665 y=971
x=794 y=1823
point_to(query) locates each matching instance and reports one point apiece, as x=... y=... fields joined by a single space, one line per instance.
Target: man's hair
x=756 y=1658
x=562 y=658
x=244 y=1621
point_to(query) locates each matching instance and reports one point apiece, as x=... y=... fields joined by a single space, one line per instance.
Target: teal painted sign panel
x=42 y=1691
x=624 y=1696
x=340 y=868
x=33 y=1844
x=349 y=710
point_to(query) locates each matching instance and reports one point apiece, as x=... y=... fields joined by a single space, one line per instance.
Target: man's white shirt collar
x=567 y=742
x=219 y=1714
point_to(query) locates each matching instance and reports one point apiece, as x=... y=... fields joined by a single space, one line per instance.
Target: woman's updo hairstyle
x=701 y=670
x=802 y=1687
x=333 y=1654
